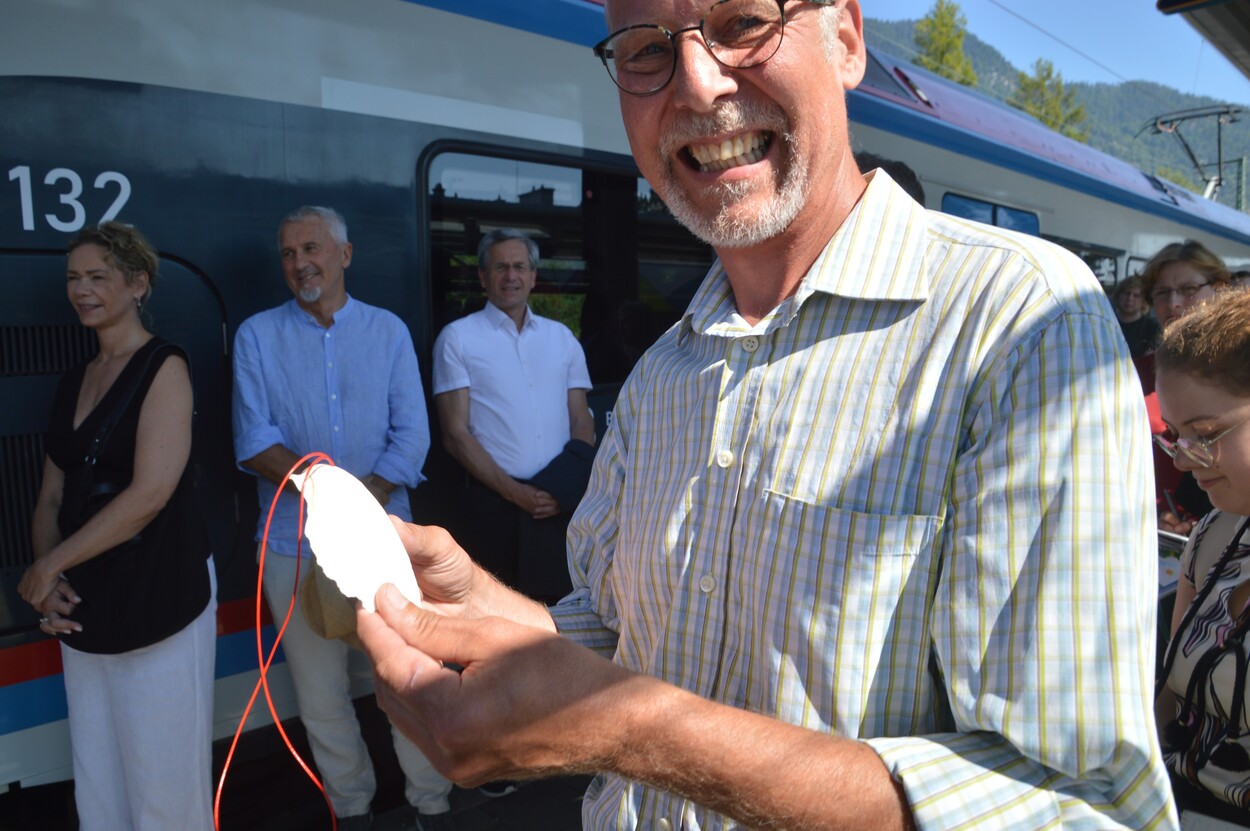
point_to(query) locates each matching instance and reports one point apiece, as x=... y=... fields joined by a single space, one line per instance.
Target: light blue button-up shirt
x=352 y=391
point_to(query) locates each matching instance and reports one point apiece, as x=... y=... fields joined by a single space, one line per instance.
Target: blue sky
x=1129 y=38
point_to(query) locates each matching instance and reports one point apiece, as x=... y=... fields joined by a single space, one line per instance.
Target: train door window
x=1016 y=220
x=614 y=266
x=990 y=213
x=963 y=206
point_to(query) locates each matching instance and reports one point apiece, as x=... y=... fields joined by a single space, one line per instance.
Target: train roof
x=902 y=98
x=968 y=122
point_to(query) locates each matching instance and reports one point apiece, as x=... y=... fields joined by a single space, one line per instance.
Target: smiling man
x=325 y=372
x=510 y=390
x=869 y=543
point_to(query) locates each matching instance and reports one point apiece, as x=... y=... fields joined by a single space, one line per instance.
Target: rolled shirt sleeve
x=408 y=437
x=254 y=427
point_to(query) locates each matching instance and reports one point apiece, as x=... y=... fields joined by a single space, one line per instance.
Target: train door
x=615 y=267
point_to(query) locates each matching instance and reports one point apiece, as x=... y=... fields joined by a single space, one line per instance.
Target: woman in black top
x=122 y=573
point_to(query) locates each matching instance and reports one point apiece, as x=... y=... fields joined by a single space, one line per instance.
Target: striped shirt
x=911 y=506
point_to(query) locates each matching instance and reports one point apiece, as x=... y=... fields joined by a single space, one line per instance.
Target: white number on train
x=66 y=185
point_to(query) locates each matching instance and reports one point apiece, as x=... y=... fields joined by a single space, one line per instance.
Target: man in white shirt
x=510 y=389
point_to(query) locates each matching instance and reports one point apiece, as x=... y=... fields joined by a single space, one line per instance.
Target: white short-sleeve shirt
x=518 y=384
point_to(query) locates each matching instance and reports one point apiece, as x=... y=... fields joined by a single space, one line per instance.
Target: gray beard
x=727 y=228
x=310 y=295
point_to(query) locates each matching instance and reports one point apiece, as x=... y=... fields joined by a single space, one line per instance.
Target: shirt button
x=329 y=363
x=707 y=583
x=336 y=428
x=724 y=458
x=333 y=397
x=750 y=343
x=664 y=825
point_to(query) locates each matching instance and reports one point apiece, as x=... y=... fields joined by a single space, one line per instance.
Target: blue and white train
x=425 y=122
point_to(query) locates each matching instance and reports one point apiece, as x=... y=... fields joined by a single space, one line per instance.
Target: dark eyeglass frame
x=602 y=51
x=1199 y=451
x=1185 y=292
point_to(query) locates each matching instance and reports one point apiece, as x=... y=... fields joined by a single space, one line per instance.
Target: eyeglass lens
x=1182 y=291
x=1197 y=452
x=738 y=33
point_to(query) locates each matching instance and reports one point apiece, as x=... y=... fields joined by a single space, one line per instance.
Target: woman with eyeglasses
x=1203 y=383
x=1178 y=279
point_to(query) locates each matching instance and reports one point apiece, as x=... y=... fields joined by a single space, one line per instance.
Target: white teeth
x=742 y=149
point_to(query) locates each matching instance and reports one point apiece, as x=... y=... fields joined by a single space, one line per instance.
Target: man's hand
x=379 y=488
x=527 y=703
x=537 y=503
x=452 y=584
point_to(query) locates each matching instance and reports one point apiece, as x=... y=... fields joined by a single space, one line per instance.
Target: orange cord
x=263 y=662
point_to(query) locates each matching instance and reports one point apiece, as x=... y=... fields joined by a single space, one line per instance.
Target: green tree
x=940 y=39
x=1177 y=177
x=1043 y=96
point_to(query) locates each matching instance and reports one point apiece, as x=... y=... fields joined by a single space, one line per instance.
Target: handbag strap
x=127 y=393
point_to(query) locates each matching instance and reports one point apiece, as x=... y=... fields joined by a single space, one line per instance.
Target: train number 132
x=67 y=186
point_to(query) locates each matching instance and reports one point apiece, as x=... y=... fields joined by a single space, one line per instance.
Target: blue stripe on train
x=575 y=21
x=42 y=701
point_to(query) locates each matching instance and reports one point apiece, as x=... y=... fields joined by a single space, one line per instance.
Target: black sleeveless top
x=144 y=590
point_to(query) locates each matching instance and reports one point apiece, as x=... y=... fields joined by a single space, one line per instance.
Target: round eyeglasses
x=1200 y=451
x=641 y=59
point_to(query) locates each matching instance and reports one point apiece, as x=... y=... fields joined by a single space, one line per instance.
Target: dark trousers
x=525 y=553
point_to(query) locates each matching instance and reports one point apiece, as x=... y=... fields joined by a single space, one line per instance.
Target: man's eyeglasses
x=1200 y=451
x=739 y=33
x=1184 y=292
x=502 y=268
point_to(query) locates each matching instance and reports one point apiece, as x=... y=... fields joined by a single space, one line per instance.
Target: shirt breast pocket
x=859 y=587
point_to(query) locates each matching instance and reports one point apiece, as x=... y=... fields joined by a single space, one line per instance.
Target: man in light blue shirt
x=325 y=372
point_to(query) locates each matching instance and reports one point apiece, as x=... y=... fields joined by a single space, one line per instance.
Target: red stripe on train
x=31 y=661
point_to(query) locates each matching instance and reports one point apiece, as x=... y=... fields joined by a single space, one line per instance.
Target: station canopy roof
x=1225 y=24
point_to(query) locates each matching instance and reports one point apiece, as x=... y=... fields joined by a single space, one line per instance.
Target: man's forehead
x=629 y=12
x=303 y=230
x=514 y=248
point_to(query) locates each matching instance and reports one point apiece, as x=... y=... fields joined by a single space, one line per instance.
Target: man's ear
x=853 y=62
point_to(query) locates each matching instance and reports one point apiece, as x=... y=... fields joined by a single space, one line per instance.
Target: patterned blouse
x=1209 y=743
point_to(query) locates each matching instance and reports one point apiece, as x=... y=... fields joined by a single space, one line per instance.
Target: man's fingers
x=394 y=659
x=440 y=637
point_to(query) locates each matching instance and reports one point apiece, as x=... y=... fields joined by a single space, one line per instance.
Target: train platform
x=266 y=791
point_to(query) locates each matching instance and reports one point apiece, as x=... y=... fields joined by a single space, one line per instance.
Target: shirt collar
x=343 y=314
x=497 y=317
x=876 y=254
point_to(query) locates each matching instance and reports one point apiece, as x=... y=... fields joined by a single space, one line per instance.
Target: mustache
x=727 y=117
